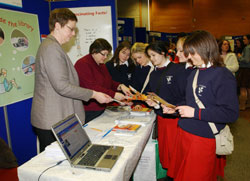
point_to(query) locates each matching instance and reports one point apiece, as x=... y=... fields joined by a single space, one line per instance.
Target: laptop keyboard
x=93 y=155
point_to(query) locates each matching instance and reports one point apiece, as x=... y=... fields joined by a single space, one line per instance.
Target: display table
x=96 y=129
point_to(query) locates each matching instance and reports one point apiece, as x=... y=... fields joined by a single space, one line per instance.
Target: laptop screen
x=71 y=135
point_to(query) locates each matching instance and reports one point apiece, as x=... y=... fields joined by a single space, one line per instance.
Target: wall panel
x=171 y=16
x=224 y=17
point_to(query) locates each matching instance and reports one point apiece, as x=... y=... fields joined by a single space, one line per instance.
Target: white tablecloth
x=122 y=170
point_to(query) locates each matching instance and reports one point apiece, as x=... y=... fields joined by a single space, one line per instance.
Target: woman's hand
x=167 y=110
x=186 y=111
x=119 y=96
x=101 y=97
x=152 y=103
x=125 y=90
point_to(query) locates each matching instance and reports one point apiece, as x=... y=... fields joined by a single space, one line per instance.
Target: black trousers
x=45 y=137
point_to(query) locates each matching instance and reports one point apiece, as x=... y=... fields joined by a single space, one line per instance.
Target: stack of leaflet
x=131 y=119
x=126 y=129
x=144 y=111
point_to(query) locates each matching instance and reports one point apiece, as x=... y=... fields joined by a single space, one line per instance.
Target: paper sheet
x=146 y=169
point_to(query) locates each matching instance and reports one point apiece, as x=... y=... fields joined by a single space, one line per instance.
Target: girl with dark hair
x=121 y=67
x=167 y=81
x=239 y=46
x=194 y=151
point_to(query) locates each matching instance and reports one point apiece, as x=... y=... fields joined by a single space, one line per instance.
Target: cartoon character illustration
x=6 y=85
x=28 y=65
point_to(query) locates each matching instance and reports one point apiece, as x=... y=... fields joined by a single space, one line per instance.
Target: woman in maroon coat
x=93 y=74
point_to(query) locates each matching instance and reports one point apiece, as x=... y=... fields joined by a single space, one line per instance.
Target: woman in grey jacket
x=57 y=92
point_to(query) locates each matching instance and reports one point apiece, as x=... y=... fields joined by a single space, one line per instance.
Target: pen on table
x=96 y=129
x=107 y=132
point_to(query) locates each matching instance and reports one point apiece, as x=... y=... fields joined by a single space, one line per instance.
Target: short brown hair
x=62 y=16
x=204 y=44
x=99 y=45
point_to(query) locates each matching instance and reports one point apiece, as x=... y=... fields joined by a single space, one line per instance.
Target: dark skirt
x=243 y=77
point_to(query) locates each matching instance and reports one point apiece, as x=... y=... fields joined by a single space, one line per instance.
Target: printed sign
x=93 y=23
x=19 y=41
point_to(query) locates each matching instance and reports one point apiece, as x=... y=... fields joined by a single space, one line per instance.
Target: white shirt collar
x=187 y=65
x=148 y=64
x=165 y=64
x=124 y=63
x=206 y=66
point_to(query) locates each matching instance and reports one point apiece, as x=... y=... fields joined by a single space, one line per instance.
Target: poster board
x=20 y=40
x=17 y=3
x=126 y=29
x=93 y=23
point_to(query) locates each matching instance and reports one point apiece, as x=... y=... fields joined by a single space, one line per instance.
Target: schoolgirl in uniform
x=194 y=152
x=144 y=68
x=183 y=60
x=121 y=67
x=168 y=82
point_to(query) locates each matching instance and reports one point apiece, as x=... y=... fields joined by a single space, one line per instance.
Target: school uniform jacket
x=216 y=89
x=173 y=84
x=139 y=77
x=120 y=74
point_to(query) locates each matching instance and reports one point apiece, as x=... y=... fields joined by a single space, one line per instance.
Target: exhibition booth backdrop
x=17 y=58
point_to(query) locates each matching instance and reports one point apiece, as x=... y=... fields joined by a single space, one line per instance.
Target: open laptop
x=78 y=148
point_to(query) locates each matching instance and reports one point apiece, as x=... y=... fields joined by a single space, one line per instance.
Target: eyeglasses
x=105 y=55
x=71 y=29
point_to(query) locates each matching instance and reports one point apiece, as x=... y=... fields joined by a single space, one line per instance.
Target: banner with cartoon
x=19 y=41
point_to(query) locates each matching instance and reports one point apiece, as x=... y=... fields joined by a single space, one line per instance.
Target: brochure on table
x=131 y=119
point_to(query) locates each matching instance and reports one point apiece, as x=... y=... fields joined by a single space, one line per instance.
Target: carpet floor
x=238 y=164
